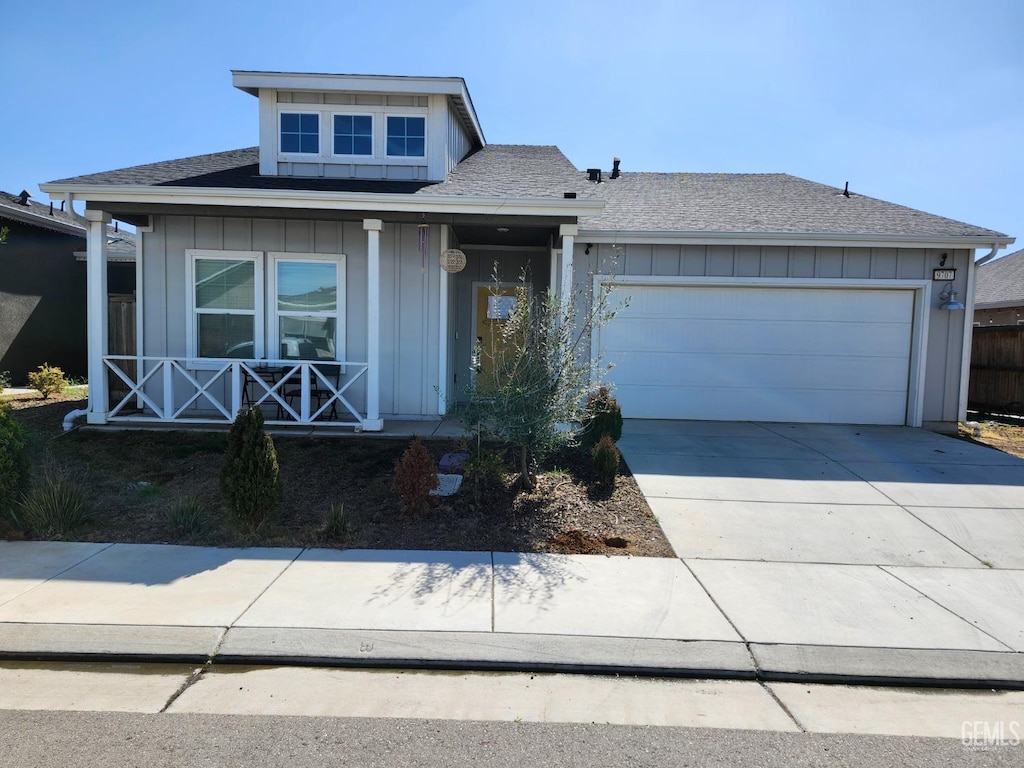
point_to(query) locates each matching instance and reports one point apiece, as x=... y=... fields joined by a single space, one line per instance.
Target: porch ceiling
x=516 y=236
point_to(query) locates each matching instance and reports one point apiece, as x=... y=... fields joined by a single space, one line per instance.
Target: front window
x=306 y=308
x=300 y=133
x=353 y=135
x=225 y=305
x=407 y=136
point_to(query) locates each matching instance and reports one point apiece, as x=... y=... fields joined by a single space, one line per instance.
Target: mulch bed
x=135 y=477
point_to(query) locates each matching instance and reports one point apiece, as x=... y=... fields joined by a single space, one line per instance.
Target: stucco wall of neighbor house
x=42 y=302
x=945 y=328
x=409 y=322
x=1000 y=316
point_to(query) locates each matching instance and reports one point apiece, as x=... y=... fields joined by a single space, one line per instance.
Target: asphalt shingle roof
x=1001 y=280
x=119 y=242
x=635 y=202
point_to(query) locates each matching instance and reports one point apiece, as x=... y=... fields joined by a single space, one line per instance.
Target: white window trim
x=273 y=325
x=319 y=136
x=426 y=136
x=191 y=328
x=374 y=131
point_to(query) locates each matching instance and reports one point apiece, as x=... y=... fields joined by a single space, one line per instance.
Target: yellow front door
x=493 y=306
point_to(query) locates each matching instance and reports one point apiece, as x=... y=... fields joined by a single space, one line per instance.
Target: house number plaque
x=943 y=275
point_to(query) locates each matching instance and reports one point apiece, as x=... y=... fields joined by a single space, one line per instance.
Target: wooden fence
x=997 y=370
x=120 y=339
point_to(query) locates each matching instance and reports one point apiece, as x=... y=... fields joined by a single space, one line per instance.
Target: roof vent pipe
x=615 y=168
x=594 y=174
x=51 y=207
x=846 y=190
x=23 y=197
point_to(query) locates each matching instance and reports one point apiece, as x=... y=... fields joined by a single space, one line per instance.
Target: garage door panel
x=760 y=304
x=869 y=338
x=763 y=354
x=806 y=406
x=741 y=372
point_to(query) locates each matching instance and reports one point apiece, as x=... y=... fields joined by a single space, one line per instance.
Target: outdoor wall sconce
x=949 y=300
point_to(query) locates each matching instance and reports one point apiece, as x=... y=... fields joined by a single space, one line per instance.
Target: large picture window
x=225 y=297
x=308 y=306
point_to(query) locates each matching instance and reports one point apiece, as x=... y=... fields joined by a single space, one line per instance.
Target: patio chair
x=318 y=394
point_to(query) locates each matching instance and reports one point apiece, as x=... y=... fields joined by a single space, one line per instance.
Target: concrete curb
x=89 y=641
x=487 y=651
x=889 y=666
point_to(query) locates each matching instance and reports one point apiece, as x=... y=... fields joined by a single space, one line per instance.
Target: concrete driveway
x=841 y=536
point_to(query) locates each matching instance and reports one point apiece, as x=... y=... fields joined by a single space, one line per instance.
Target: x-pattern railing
x=212 y=390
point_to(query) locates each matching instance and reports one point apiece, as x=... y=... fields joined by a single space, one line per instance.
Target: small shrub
x=251 y=478
x=5 y=380
x=606 y=462
x=336 y=523
x=14 y=466
x=485 y=474
x=57 y=503
x=603 y=417
x=187 y=517
x=415 y=477
x=48 y=379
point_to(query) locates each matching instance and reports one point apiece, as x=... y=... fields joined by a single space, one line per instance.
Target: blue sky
x=920 y=103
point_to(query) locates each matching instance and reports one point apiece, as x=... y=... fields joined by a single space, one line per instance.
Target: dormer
x=362 y=126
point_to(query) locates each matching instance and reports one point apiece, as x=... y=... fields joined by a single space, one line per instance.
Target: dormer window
x=407 y=137
x=300 y=132
x=353 y=134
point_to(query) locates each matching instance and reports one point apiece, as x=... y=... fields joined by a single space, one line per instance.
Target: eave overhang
x=98 y=194
x=819 y=239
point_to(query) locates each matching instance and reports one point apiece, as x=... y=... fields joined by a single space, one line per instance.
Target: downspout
x=987 y=257
x=69 y=420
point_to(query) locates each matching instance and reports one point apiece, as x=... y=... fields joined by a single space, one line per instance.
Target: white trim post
x=568 y=233
x=373 y=421
x=442 y=331
x=96 y=303
x=140 y=313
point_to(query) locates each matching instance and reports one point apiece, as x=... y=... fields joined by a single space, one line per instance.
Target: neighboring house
x=752 y=296
x=999 y=294
x=43 y=287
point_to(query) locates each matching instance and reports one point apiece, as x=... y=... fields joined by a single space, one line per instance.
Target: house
x=999 y=294
x=751 y=296
x=43 y=287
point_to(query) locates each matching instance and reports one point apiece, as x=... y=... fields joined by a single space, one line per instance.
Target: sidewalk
x=481 y=610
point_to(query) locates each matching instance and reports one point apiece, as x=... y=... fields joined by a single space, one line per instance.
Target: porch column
x=442 y=331
x=96 y=302
x=373 y=421
x=568 y=233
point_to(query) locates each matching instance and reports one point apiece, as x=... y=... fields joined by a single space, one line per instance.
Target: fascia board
x=338 y=201
x=251 y=82
x=999 y=304
x=821 y=239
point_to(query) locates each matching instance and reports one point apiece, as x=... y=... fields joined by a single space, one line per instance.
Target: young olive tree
x=540 y=370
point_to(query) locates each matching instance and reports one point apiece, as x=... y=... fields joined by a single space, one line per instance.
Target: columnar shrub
x=251 y=478
x=603 y=417
x=48 y=379
x=13 y=459
x=606 y=461
x=415 y=477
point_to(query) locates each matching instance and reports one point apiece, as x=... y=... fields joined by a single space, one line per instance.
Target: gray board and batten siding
x=945 y=329
x=409 y=306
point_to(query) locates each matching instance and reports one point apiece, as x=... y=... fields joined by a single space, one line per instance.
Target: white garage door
x=761 y=354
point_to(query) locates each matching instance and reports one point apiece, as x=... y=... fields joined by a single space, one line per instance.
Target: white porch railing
x=213 y=390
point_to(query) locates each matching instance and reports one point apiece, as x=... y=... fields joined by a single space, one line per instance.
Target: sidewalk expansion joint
x=197 y=674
